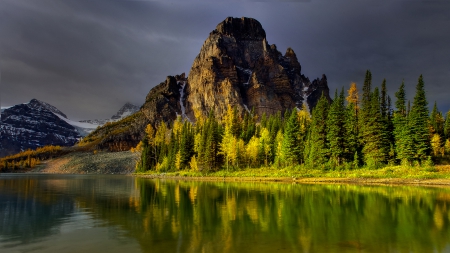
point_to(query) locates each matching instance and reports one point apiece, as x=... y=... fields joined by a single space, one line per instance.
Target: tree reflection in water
x=191 y=216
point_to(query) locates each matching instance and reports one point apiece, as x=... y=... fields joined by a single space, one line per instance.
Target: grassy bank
x=439 y=175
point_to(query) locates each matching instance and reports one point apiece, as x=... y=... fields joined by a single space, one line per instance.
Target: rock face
x=32 y=125
x=163 y=103
x=237 y=66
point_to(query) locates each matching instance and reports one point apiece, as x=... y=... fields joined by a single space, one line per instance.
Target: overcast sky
x=90 y=57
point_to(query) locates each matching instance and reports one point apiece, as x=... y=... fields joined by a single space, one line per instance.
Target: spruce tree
x=317 y=150
x=436 y=122
x=372 y=138
x=351 y=131
x=447 y=126
x=291 y=141
x=351 y=122
x=419 y=123
x=364 y=112
x=186 y=144
x=386 y=128
x=335 y=129
x=384 y=100
x=402 y=131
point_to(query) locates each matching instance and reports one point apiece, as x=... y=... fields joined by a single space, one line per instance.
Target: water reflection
x=143 y=215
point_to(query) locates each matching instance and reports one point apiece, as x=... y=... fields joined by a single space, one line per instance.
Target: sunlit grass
x=401 y=172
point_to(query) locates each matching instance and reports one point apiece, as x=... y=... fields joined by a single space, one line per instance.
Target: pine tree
x=437 y=122
x=402 y=133
x=384 y=100
x=336 y=130
x=351 y=131
x=317 y=151
x=373 y=151
x=386 y=128
x=351 y=122
x=419 y=123
x=186 y=144
x=366 y=105
x=291 y=141
x=447 y=126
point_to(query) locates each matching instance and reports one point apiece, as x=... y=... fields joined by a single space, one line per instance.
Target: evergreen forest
x=356 y=130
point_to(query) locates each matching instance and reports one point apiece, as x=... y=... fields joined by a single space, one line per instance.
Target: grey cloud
x=89 y=57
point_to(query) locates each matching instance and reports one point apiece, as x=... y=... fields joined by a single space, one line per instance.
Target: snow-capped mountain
x=37 y=123
x=125 y=111
x=32 y=125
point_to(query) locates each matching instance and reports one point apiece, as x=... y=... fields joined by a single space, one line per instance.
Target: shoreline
x=307 y=180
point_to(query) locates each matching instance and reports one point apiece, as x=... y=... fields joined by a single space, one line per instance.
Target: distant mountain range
x=37 y=123
x=236 y=66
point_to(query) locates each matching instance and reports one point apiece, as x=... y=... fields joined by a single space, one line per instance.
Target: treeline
x=29 y=158
x=353 y=131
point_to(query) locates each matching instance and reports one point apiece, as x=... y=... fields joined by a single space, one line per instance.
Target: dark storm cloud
x=89 y=57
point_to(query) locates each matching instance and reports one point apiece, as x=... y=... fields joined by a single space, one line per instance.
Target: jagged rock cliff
x=236 y=66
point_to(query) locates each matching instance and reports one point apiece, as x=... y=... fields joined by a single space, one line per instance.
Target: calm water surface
x=75 y=213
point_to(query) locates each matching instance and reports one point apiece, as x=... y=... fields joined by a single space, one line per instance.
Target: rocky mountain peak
x=39 y=105
x=236 y=66
x=32 y=125
x=126 y=110
x=241 y=29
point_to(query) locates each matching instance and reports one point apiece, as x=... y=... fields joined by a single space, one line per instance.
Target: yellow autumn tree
x=265 y=142
x=353 y=96
x=161 y=134
x=278 y=148
x=178 y=160
x=240 y=151
x=447 y=146
x=150 y=132
x=228 y=144
x=304 y=118
x=193 y=164
x=252 y=149
x=436 y=144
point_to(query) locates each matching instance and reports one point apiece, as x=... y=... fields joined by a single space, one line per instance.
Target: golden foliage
x=161 y=134
x=138 y=147
x=436 y=144
x=353 y=96
x=178 y=160
x=252 y=150
x=193 y=163
x=304 y=118
x=447 y=146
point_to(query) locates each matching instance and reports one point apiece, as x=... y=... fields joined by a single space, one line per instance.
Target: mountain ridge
x=236 y=66
x=37 y=123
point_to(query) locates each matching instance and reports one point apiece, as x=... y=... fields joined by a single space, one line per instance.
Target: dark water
x=74 y=213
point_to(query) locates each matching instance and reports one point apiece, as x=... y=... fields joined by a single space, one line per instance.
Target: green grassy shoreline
x=440 y=175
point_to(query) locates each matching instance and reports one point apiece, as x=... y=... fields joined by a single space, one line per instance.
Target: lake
x=99 y=213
